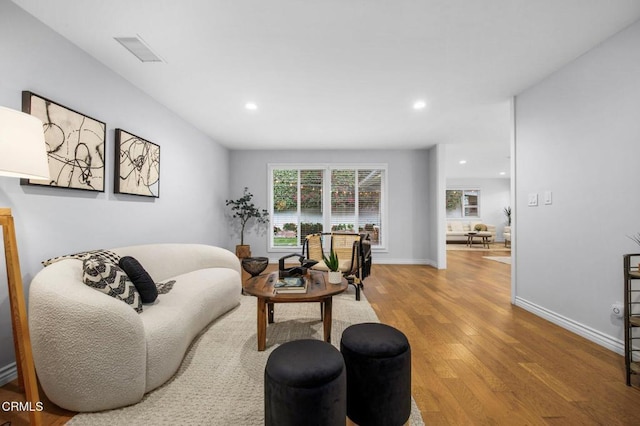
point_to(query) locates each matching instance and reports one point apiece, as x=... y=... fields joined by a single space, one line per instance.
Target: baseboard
x=428 y=262
x=8 y=373
x=609 y=342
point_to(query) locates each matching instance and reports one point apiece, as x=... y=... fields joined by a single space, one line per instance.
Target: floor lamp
x=23 y=154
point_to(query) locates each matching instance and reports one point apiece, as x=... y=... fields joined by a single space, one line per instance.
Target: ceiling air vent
x=139 y=48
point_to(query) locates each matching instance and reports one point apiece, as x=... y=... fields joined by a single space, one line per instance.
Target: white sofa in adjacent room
x=95 y=352
x=457 y=230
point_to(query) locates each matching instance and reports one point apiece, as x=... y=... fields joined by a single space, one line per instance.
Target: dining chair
x=313 y=250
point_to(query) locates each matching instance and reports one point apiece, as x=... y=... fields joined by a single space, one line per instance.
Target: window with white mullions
x=369 y=202
x=463 y=203
x=300 y=194
x=343 y=200
x=311 y=213
x=296 y=204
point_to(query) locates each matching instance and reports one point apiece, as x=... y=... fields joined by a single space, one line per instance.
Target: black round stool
x=305 y=384
x=378 y=361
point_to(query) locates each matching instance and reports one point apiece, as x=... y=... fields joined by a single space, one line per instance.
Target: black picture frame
x=137 y=165
x=75 y=145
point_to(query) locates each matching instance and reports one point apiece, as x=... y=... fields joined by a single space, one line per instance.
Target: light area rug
x=221 y=379
x=501 y=259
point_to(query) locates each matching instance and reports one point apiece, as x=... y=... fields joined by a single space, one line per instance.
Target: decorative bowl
x=255 y=265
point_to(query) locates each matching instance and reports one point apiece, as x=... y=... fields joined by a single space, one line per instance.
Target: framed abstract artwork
x=137 y=166
x=75 y=145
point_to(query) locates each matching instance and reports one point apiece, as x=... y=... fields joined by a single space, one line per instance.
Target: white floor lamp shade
x=23 y=151
x=23 y=154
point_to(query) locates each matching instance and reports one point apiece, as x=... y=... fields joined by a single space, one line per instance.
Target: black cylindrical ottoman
x=305 y=384
x=378 y=361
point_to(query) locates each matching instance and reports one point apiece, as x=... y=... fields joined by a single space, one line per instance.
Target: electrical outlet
x=617 y=309
x=533 y=199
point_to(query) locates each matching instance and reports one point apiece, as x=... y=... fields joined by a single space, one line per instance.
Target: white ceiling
x=337 y=74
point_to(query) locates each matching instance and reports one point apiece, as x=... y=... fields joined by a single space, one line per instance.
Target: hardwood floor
x=51 y=416
x=477 y=359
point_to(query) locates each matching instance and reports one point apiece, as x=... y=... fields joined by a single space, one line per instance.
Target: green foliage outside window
x=285 y=189
x=290 y=227
x=454 y=198
x=308 y=228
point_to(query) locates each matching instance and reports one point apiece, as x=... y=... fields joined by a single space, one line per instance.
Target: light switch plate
x=533 y=199
x=547 y=197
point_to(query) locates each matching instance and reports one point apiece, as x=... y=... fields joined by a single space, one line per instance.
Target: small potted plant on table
x=335 y=276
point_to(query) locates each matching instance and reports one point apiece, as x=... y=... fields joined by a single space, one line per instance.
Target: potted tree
x=244 y=210
x=507 y=213
x=335 y=276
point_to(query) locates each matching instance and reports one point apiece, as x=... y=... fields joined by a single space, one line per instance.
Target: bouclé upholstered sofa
x=95 y=352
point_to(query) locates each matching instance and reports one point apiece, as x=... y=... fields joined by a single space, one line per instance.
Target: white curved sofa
x=93 y=352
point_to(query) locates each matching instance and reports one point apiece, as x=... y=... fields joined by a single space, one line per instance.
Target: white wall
x=53 y=221
x=494 y=197
x=578 y=135
x=408 y=175
x=437 y=205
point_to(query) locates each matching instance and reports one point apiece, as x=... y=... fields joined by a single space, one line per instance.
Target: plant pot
x=335 y=277
x=243 y=251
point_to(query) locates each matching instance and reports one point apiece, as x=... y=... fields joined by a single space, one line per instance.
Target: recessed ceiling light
x=462 y=161
x=251 y=106
x=503 y=173
x=419 y=104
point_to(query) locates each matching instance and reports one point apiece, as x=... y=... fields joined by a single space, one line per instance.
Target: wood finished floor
x=479 y=360
x=476 y=359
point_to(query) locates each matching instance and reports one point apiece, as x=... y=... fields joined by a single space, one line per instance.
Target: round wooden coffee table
x=318 y=290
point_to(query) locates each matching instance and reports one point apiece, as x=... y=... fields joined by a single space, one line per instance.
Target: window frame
x=461 y=207
x=326 y=198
